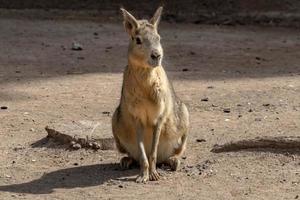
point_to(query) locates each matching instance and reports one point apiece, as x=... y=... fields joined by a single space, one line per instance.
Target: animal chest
x=146 y=103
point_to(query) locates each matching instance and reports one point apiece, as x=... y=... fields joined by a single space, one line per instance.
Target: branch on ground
x=279 y=143
x=80 y=142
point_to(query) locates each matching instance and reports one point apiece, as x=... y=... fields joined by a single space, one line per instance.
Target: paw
x=142 y=178
x=154 y=175
x=126 y=162
x=174 y=163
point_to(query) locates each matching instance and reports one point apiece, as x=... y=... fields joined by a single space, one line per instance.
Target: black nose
x=155 y=56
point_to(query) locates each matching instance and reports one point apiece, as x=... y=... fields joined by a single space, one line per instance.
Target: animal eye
x=138 y=40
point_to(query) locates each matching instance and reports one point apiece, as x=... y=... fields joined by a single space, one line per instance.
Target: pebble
x=185 y=69
x=204 y=99
x=226 y=110
x=96 y=145
x=76 y=46
x=4 y=107
x=106 y=113
x=200 y=140
x=76 y=146
x=7 y=176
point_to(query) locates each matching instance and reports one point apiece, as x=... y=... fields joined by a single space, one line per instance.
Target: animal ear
x=156 y=17
x=130 y=23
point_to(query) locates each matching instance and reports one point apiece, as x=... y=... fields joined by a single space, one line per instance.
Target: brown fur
x=148 y=107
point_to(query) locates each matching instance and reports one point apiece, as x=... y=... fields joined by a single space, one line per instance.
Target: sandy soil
x=42 y=81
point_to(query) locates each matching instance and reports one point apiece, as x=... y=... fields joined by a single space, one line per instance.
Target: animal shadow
x=83 y=176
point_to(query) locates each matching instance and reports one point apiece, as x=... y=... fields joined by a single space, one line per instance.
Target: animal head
x=144 y=48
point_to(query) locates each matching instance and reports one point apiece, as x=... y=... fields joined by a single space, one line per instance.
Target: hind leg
x=174 y=161
x=127 y=161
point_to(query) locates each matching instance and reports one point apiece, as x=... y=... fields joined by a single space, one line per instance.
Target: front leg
x=144 y=165
x=154 y=176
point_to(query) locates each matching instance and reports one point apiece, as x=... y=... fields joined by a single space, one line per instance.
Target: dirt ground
x=253 y=71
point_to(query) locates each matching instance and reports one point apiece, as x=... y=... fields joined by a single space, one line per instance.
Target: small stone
x=200 y=140
x=213 y=105
x=96 y=145
x=95 y=33
x=210 y=87
x=227 y=120
x=32 y=129
x=75 y=164
x=257 y=119
x=120 y=186
x=7 y=176
x=266 y=104
x=185 y=69
x=250 y=110
x=76 y=146
x=33 y=160
x=204 y=99
x=76 y=46
x=4 y=107
x=183 y=157
x=297 y=196
x=192 y=53
x=239 y=116
x=226 y=110
x=106 y=113
x=18 y=148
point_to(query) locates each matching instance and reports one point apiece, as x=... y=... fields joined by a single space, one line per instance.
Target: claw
x=154 y=176
x=142 y=179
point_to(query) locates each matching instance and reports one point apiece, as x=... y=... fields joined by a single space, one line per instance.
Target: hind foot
x=126 y=162
x=154 y=175
x=173 y=162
